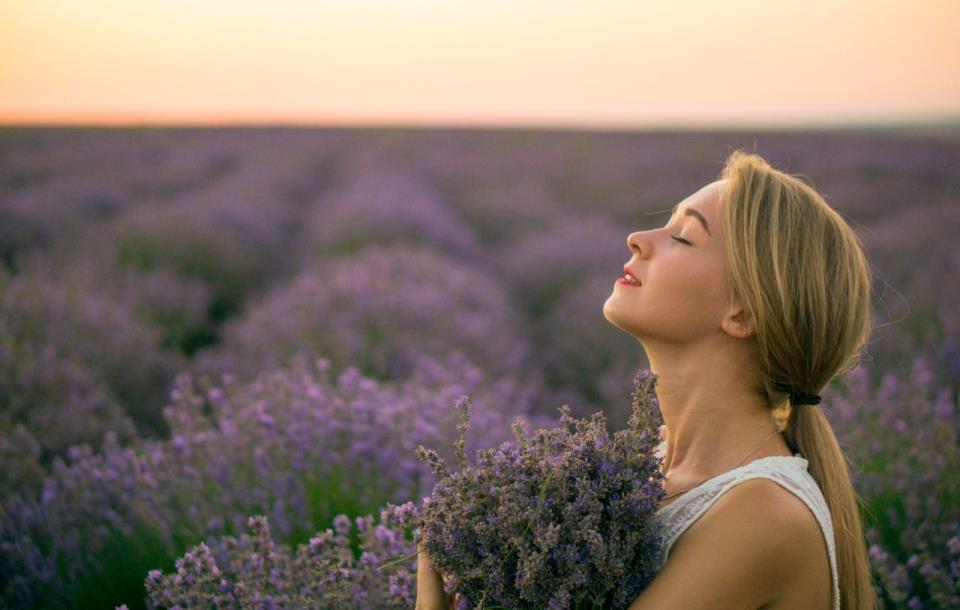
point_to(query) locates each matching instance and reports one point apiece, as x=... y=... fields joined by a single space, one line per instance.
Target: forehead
x=706 y=198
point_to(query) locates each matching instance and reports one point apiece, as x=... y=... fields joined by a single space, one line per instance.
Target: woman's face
x=683 y=294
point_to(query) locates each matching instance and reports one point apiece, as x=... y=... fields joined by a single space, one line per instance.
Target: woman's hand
x=430 y=593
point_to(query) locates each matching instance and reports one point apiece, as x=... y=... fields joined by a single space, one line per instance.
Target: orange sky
x=484 y=62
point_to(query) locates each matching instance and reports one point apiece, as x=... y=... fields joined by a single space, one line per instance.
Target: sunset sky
x=485 y=62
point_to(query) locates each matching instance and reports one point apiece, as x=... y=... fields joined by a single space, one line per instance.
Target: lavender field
x=240 y=336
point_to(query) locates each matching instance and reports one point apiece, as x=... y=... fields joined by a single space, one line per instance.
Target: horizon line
x=950 y=121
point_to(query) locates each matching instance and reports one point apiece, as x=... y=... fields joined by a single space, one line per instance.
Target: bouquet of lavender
x=565 y=518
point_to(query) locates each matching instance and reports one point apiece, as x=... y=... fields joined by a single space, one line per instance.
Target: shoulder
x=742 y=552
x=787 y=542
x=764 y=498
x=773 y=518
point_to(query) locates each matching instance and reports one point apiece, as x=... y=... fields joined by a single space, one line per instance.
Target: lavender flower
x=196 y=248
x=903 y=436
x=564 y=518
x=178 y=306
x=294 y=445
x=120 y=353
x=253 y=570
x=50 y=403
x=505 y=210
x=385 y=205
x=54 y=209
x=376 y=311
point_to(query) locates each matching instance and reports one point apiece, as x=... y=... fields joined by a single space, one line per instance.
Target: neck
x=712 y=422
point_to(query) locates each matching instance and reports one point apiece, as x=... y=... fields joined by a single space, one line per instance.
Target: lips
x=627 y=270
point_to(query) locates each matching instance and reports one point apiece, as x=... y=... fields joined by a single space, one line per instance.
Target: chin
x=613 y=317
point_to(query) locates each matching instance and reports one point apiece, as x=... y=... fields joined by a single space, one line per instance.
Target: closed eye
x=680 y=239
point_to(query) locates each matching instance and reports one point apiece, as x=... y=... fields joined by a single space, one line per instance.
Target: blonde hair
x=800 y=271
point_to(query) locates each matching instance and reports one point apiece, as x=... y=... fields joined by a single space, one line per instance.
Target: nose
x=638 y=244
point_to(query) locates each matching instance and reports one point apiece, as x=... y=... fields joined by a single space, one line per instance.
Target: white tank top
x=789 y=472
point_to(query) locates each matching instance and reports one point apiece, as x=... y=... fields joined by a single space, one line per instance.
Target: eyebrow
x=692 y=212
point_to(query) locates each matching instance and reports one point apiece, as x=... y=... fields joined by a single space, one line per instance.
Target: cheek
x=685 y=280
x=689 y=294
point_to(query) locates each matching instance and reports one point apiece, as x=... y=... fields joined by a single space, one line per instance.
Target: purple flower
x=550 y=529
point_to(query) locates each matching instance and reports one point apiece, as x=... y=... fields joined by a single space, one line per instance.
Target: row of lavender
x=229 y=252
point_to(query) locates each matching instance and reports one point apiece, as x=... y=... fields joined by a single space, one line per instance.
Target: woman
x=749 y=300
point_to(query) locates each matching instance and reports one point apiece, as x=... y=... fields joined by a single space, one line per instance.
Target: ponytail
x=809 y=433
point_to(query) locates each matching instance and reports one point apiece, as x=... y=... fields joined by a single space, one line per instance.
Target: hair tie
x=798 y=398
x=804 y=399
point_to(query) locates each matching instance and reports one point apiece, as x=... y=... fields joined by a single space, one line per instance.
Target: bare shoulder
x=744 y=552
x=762 y=504
x=781 y=527
x=786 y=536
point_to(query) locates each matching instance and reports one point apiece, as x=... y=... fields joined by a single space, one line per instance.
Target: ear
x=738 y=322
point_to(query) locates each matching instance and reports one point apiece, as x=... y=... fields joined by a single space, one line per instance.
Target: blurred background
x=251 y=253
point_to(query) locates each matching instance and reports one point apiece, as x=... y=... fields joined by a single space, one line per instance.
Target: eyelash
x=680 y=239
